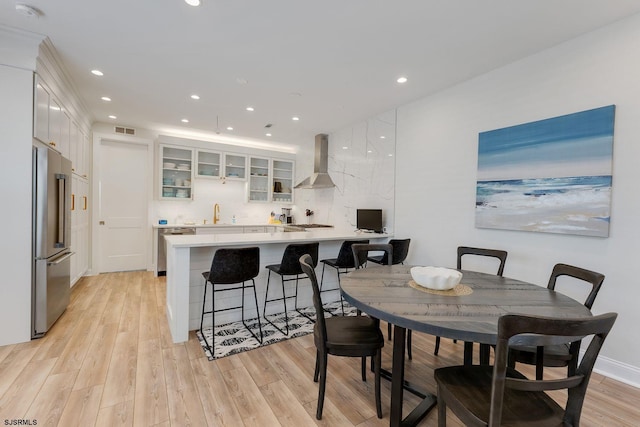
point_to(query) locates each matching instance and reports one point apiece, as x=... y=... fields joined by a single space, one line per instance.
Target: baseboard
x=618 y=371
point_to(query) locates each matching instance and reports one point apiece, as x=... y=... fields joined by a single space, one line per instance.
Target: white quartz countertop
x=208 y=225
x=192 y=241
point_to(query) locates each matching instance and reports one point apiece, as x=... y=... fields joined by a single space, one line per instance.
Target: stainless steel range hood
x=320 y=177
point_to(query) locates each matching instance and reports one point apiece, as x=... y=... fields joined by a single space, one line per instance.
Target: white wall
x=437 y=144
x=16 y=106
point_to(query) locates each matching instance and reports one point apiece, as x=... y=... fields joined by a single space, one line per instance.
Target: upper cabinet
x=208 y=164
x=51 y=123
x=270 y=180
x=282 y=178
x=235 y=166
x=176 y=166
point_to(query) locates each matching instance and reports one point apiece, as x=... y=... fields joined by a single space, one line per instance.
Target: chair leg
x=317 y=370
x=437 y=347
x=295 y=306
x=243 y=319
x=266 y=300
x=442 y=411
x=409 y=353
x=389 y=331
x=363 y=368
x=204 y=300
x=539 y=362
x=323 y=383
x=378 y=363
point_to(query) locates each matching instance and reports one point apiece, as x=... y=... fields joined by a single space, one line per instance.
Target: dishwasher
x=162 y=248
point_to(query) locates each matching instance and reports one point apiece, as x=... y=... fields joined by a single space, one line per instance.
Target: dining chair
x=501 y=256
x=289 y=266
x=562 y=354
x=342 y=264
x=482 y=395
x=349 y=336
x=400 y=252
x=361 y=256
x=228 y=267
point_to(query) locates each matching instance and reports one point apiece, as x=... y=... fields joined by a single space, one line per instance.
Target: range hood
x=320 y=177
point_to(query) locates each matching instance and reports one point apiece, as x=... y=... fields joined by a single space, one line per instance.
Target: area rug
x=233 y=338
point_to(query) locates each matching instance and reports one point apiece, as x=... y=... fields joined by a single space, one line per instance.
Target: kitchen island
x=189 y=255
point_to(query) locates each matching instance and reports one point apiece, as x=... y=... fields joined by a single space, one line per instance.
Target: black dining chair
x=400 y=252
x=228 y=267
x=361 y=256
x=501 y=256
x=350 y=336
x=562 y=354
x=288 y=267
x=482 y=395
x=342 y=264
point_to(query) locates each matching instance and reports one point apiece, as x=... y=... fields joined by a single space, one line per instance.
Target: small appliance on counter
x=286 y=217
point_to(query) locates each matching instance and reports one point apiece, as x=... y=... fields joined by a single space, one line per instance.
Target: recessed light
x=112 y=117
x=390 y=155
x=382 y=137
x=185 y=120
x=250 y=109
x=194 y=96
x=106 y=98
x=267 y=134
x=97 y=73
x=192 y=2
x=401 y=80
x=295 y=118
x=229 y=128
x=369 y=151
x=345 y=148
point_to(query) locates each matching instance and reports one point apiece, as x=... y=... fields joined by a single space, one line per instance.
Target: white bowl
x=437 y=278
x=168 y=165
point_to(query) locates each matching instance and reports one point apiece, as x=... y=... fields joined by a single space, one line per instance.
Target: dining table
x=469 y=312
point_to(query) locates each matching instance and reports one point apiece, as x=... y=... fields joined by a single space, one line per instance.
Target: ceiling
x=331 y=62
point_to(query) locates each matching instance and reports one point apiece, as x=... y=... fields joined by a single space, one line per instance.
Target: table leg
x=398 y=384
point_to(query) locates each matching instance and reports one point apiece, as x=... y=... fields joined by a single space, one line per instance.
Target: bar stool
x=344 y=261
x=289 y=266
x=231 y=266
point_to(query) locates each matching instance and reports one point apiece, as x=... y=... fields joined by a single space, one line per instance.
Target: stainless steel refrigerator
x=51 y=273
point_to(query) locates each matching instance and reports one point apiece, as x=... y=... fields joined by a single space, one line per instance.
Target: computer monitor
x=369 y=220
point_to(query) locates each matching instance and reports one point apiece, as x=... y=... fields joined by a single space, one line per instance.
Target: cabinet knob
x=52 y=143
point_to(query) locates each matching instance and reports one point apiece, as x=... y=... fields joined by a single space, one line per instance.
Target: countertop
x=209 y=225
x=313 y=235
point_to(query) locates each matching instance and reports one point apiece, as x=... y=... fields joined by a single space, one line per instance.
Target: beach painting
x=550 y=176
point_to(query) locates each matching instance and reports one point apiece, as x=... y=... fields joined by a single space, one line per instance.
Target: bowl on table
x=437 y=278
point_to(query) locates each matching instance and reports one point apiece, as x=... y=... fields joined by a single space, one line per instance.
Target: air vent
x=126 y=131
x=268 y=125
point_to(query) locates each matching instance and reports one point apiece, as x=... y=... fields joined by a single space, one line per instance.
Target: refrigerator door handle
x=61 y=259
x=62 y=182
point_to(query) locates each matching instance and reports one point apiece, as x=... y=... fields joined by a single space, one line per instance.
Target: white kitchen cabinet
x=79 y=151
x=176 y=173
x=259 y=185
x=220 y=230
x=79 y=227
x=235 y=167
x=208 y=164
x=51 y=123
x=270 y=180
x=282 y=180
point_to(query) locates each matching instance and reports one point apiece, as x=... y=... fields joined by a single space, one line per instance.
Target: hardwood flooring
x=109 y=361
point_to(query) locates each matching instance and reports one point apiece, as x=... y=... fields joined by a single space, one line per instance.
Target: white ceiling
x=330 y=62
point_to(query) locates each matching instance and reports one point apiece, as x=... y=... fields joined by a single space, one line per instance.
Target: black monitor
x=369 y=220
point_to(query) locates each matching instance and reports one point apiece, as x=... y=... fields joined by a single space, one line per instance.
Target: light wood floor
x=109 y=361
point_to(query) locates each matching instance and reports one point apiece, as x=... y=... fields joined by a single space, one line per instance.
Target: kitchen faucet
x=216 y=213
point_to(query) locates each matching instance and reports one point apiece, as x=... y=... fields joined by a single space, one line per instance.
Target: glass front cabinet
x=270 y=180
x=208 y=164
x=176 y=177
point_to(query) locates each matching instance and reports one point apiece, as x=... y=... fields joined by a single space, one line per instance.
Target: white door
x=123 y=190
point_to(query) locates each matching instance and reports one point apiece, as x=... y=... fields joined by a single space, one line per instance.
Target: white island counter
x=189 y=255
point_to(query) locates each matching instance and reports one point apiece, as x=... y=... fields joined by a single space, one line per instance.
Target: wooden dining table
x=470 y=314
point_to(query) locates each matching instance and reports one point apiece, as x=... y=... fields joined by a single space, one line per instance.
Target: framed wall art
x=551 y=176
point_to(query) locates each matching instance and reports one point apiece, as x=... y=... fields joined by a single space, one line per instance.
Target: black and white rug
x=233 y=338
